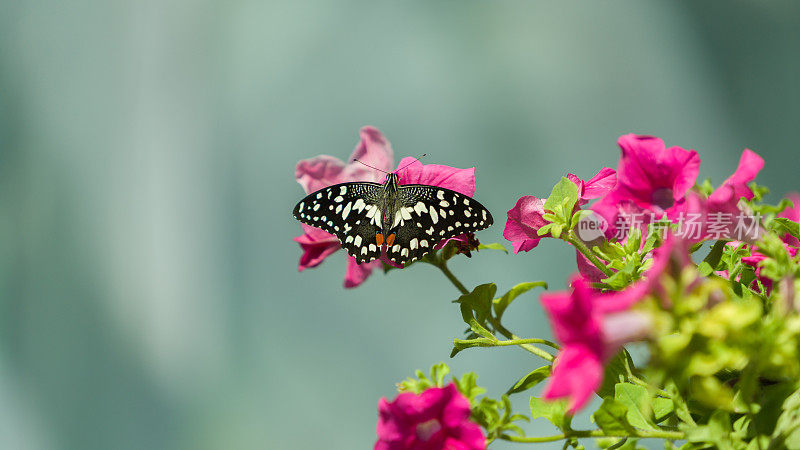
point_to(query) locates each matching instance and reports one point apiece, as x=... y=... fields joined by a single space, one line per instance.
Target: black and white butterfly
x=408 y=219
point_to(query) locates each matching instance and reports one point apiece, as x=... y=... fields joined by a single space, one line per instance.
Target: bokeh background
x=149 y=292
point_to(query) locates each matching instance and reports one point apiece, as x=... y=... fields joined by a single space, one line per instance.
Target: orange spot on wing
x=379 y=239
x=390 y=239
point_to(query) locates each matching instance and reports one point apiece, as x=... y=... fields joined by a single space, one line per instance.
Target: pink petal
x=319 y=172
x=749 y=166
x=577 y=373
x=373 y=149
x=792 y=212
x=317 y=245
x=588 y=270
x=600 y=184
x=653 y=175
x=572 y=315
x=523 y=222
x=356 y=273
x=623 y=327
x=456 y=409
x=411 y=171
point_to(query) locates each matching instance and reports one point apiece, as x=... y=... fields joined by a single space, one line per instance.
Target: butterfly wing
x=350 y=212
x=431 y=214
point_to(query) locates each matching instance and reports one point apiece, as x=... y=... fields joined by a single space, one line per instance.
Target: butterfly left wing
x=430 y=214
x=350 y=212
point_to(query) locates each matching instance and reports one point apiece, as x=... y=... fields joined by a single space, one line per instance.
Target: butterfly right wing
x=350 y=212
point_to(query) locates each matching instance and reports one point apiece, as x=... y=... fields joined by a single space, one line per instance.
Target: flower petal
x=317 y=245
x=523 y=222
x=373 y=149
x=411 y=171
x=577 y=373
x=356 y=273
x=319 y=172
x=749 y=166
x=600 y=184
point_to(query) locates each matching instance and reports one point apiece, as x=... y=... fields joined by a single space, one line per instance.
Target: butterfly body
x=406 y=220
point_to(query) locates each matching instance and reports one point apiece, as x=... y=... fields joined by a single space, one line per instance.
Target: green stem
x=446 y=271
x=483 y=342
x=442 y=265
x=636 y=380
x=641 y=434
x=581 y=247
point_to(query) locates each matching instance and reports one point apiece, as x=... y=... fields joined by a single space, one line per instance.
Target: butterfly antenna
x=371 y=167
x=412 y=162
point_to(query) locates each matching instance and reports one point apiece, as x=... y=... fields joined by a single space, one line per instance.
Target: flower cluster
x=722 y=330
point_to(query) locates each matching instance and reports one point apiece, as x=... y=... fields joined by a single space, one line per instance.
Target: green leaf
x=492 y=246
x=711 y=261
x=477 y=328
x=637 y=400
x=500 y=304
x=716 y=432
x=554 y=411
x=612 y=418
x=562 y=199
x=468 y=385
x=662 y=408
x=530 y=380
x=782 y=226
x=479 y=301
x=438 y=372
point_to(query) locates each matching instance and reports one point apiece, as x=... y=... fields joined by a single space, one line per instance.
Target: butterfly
x=408 y=220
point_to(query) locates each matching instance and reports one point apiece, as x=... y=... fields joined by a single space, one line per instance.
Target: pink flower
x=438 y=418
x=592 y=326
x=749 y=166
x=651 y=179
x=587 y=323
x=373 y=149
x=525 y=218
x=719 y=215
x=322 y=171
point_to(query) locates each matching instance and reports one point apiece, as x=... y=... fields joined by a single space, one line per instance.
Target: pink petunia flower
x=525 y=218
x=587 y=322
x=651 y=179
x=373 y=149
x=719 y=216
x=322 y=171
x=592 y=326
x=435 y=419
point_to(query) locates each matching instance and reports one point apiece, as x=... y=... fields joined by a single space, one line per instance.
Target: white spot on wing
x=357 y=241
x=406 y=212
x=359 y=205
x=346 y=210
x=420 y=208
x=338 y=199
x=413 y=243
x=434 y=216
x=342 y=190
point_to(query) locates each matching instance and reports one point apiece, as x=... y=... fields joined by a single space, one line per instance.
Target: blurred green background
x=149 y=293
